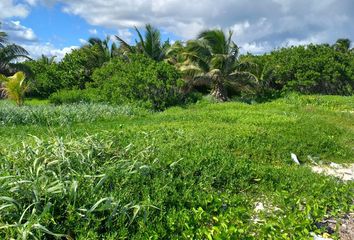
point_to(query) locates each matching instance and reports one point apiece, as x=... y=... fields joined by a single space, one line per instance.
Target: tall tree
x=342 y=45
x=214 y=58
x=3 y=38
x=106 y=50
x=150 y=44
x=47 y=59
x=9 y=54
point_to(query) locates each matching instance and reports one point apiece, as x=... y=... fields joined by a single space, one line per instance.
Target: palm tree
x=150 y=44
x=14 y=87
x=342 y=45
x=174 y=54
x=3 y=38
x=214 y=59
x=106 y=50
x=47 y=59
x=9 y=53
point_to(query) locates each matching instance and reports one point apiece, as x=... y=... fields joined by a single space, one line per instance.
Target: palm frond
x=216 y=39
x=244 y=78
x=140 y=37
x=3 y=39
x=152 y=44
x=124 y=45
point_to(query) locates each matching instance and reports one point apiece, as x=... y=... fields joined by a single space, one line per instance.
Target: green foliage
x=88 y=95
x=313 y=69
x=139 y=80
x=213 y=59
x=15 y=87
x=77 y=67
x=150 y=45
x=45 y=78
x=194 y=173
x=9 y=54
x=49 y=115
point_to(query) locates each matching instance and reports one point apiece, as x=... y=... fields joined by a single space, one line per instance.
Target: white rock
x=294 y=158
x=335 y=165
x=259 y=207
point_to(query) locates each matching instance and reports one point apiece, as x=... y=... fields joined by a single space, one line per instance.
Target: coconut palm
x=14 y=87
x=107 y=50
x=342 y=45
x=47 y=59
x=214 y=59
x=3 y=39
x=9 y=53
x=150 y=45
x=174 y=54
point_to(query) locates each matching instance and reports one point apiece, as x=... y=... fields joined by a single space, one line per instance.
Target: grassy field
x=105 y=172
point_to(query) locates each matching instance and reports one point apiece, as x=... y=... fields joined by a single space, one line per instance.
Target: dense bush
x=45 y=78
x=78 y=66
x=312 y=69
x=139 y=80
x=75 y=96
x=72 y=72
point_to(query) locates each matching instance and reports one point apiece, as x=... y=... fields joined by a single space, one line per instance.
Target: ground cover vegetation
x=174 y=141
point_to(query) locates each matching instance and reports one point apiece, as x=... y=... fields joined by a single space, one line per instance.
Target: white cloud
x=10 y=8
x=18 y=32
x=82 y=41
x=258 y=24
x=47 y=49
x=32 y=2
x=93 y=31
x=27 y=38
x=255 y=48
x=254 y=22
x=125 y=34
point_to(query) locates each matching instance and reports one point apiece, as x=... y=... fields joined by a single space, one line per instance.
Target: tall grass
x=194 y=173
x=60 y=115
x=53 y=188
x=103 y=187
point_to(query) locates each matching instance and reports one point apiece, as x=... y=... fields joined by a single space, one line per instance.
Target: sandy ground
x=346 y=173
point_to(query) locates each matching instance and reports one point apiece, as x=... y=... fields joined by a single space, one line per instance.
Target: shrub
x=45 y=78
x=312 y=69
x=139 y=80
x=75 y=96
x=15 y=87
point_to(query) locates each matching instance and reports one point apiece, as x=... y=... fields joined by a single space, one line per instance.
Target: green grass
x=49 y=115
x=186 y=173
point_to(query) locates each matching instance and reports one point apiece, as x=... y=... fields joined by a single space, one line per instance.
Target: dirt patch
x=345 y=227
x=344 y=172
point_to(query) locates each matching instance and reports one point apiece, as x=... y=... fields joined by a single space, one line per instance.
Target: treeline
x=158 y=74
x=312 y=69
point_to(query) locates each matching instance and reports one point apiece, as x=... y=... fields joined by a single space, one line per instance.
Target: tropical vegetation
x=175 y=140
x=10 y=53
x=14 y=87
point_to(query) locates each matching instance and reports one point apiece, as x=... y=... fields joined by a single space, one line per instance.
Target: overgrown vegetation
x=140 y=80
x=190 y=173
x=61 y=115
x=14 y=87
x=90 y=162
x=312 y=69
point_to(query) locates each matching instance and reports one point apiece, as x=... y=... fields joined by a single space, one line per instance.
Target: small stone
x=294 y=158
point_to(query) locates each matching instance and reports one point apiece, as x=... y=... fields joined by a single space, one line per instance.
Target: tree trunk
x=219 y=92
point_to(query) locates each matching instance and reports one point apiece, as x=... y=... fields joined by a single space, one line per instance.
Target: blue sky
x=54 y=27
